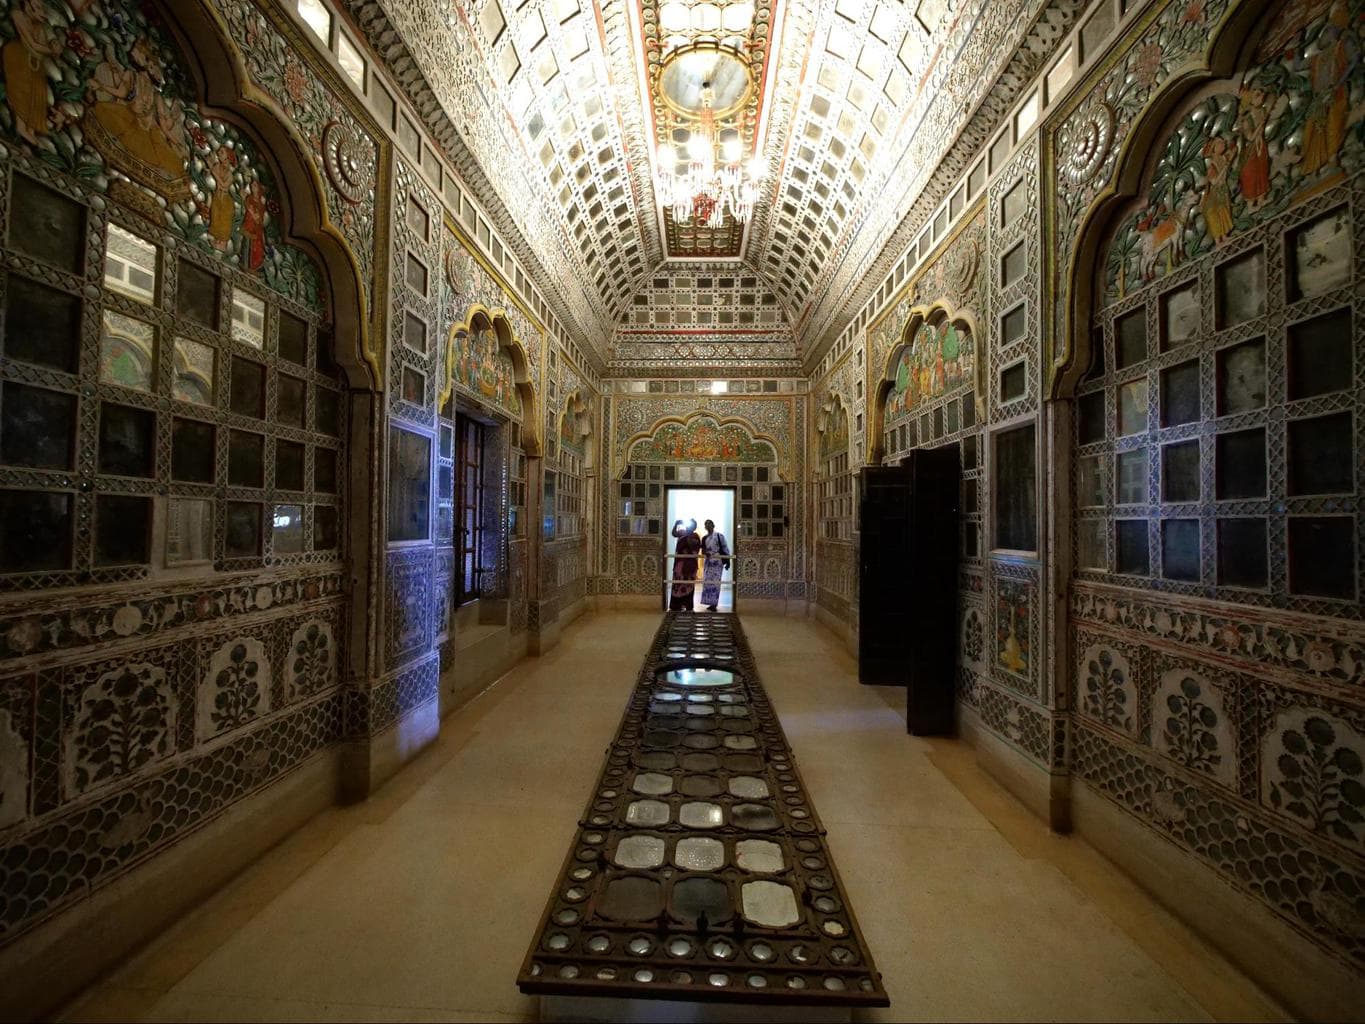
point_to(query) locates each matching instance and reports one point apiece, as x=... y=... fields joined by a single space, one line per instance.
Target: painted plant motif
x=484 y=370
x=937 y=360
x=238 y=689
x=1189 y=731
x=125 y=720
x=1317 y=776
x=1107 y=689
x=702 y=439
x=310 y=659
x=1288 y=128
x=99 y=91
x=1013 y=644
x=973 y=637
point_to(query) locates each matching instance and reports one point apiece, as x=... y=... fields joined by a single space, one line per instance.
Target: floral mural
x=1108 y=695
x=98 y=90
x=1313 y=771
x=1190 y=725
x=122 y=721
x=937 y=360
x=702 y=439
x=1288 y=127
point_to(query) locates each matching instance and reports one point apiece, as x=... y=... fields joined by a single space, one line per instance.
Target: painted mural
x=937 y=360
x=701 y=439
x=1290 y=126
x=482 y=369
x=834 y=438
x=569 y=436
x=98 y=90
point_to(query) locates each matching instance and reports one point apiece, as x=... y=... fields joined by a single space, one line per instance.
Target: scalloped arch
x=1231 y=45
x=753 y=433
x=479 y=317
x=214 y=60
x=937 y=312
x=576 y=406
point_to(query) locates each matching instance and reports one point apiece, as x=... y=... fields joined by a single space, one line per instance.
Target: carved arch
x=754 y=434
x=575 y=412
x=938 y=312
x=826 y=420
x=1231 y=46
x=215 y=63
x=480 y=318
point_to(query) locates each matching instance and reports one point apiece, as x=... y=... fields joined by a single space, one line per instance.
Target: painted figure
x=138 y=129
x=717 y=552
x=1216 y=206
x=1324 y=128
x=1253 y=111
x=222 y=210
x=25 y=76
x=253 y=225
x=685 y=566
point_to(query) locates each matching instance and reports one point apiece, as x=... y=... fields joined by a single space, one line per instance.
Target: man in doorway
x=717 y=552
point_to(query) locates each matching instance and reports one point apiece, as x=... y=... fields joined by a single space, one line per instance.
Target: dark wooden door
x=883 y=561
x=908 y=583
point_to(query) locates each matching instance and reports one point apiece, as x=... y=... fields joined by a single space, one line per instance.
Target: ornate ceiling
x=852 y=104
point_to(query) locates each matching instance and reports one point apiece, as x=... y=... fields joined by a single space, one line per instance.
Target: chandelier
x=704 y=179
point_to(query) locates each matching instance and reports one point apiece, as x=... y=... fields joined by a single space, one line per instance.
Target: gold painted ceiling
x=853 y=105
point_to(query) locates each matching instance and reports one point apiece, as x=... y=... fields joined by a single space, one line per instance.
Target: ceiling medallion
x=703 y=84
x=688 y=72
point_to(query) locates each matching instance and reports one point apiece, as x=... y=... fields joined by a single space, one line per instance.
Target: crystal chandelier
x=706 y=180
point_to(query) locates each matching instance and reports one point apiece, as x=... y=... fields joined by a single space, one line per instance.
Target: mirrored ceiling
x=578 y=111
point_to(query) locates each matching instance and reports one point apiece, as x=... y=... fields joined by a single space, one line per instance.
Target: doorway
x=701 y=504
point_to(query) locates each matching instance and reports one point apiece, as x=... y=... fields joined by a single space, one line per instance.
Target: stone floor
x=419 y=904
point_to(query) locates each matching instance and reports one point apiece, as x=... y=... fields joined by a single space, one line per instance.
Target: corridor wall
x=1145 y=337
x=238 y=320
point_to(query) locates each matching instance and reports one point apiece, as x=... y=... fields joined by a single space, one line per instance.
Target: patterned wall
x=687 y=438
x=1216 y=453
x=188 y=649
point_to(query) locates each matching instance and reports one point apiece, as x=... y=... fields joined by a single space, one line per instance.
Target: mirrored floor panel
x=700 y=869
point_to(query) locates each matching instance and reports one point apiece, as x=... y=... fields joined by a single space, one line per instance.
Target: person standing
x=716 y=550
x=685 y=566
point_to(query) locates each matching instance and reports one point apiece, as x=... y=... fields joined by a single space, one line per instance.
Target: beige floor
x=418 y=904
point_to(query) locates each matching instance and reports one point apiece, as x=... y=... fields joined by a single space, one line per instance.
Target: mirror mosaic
x=700 y=865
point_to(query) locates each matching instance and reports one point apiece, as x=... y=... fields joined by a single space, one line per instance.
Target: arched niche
x=832 y=428
x=704 y=437
x=574 y=428
x=939 y=353
x=215 y=62
x=484 y=355
x=1232 y=44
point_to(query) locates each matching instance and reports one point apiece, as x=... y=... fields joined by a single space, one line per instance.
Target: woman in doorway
x=685 y=566
x=716 y=550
